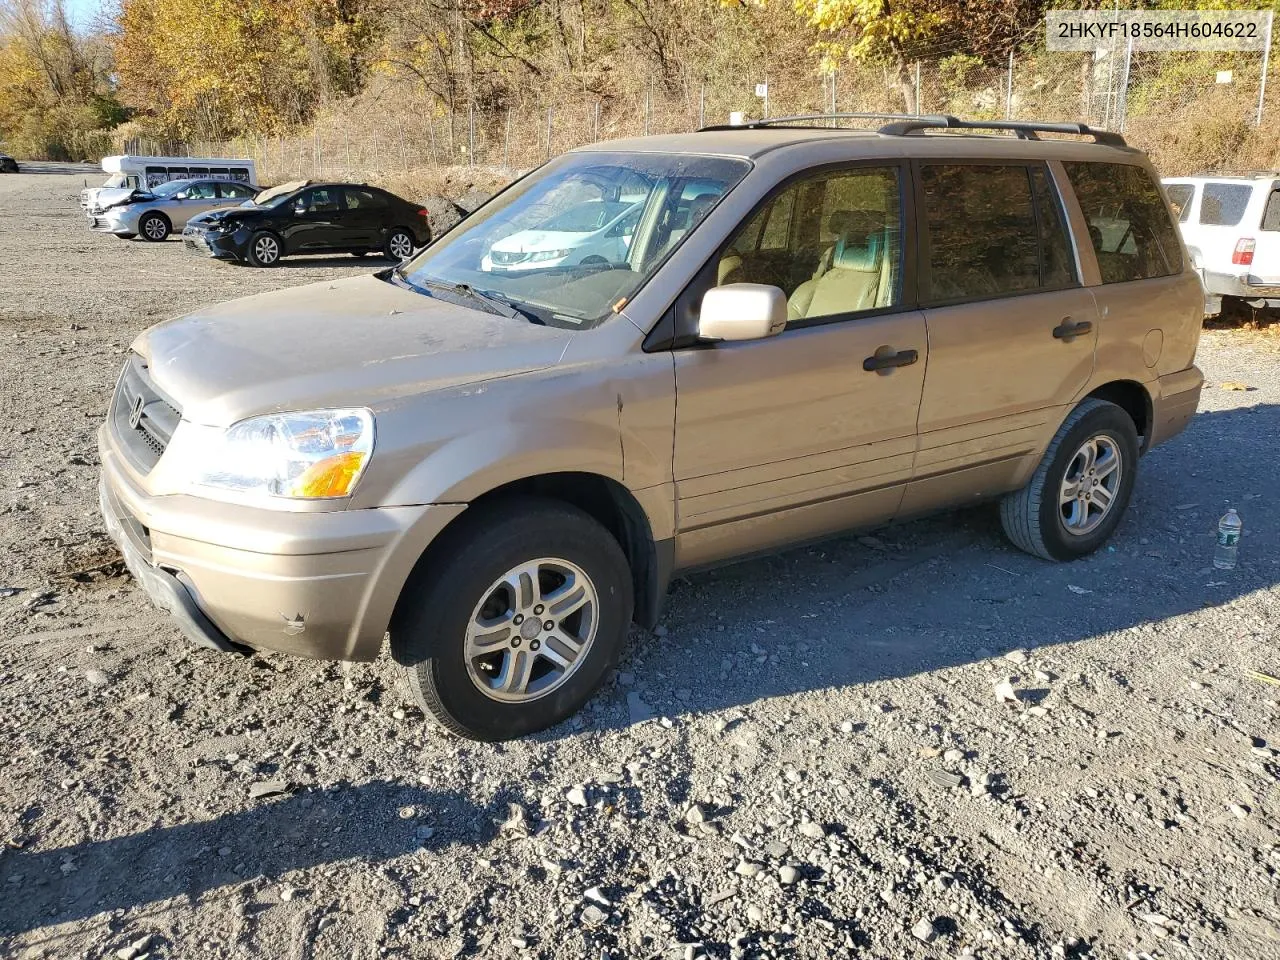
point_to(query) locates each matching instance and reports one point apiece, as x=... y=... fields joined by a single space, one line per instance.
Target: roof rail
x=809 y=118
x=1024 y=130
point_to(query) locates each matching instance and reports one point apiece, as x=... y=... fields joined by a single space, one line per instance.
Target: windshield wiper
x=496 y=304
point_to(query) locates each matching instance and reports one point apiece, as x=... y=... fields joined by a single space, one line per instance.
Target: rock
x=694 y=814
x=776 y=848
x=134 y=949
x=1044 y=676
x=267 y=788
x=1016 y=656
x=788 y=875
x=755 y=914
x=6 y=592
x=398 y=714
x=945 y=778
x=577 y=796
x=626 y=678
x=96 y=678
x=814 y=831
x=1005 y=693
x=659 y=631
x=846 y=727
x=637 y=710
x=520 y=943
x=747 y=868
x=924 y=930
x=287 y=894
x=224 y=851
x=953 y=756
x=593 y=916
x=595 y=895
x=1239 y=810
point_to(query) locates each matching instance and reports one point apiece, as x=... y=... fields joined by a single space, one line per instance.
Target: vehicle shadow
x=951 y=590
x=377 y=261
x=369 y=821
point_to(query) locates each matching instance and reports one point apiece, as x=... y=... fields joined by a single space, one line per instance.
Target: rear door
x=365 y=216
x=316 y=222
x=1011 y=329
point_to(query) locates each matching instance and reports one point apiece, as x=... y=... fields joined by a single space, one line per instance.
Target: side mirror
x=182 y=195
x=742 y=311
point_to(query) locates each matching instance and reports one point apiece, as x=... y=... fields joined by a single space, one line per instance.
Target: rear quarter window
x=1223 y=204
x=1271 y=214
x=1130 y=227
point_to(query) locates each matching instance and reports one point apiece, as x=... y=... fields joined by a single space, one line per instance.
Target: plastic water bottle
x=1229 y=527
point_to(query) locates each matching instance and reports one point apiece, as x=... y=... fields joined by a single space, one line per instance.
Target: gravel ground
x=808 y=759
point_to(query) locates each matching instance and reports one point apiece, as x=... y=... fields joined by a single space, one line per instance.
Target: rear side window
x=364 y=200
x=1223 y=203
x=238 y=190
x=1180 y=195
x=993 y=231
x=1129 y=223
x=1271 y=215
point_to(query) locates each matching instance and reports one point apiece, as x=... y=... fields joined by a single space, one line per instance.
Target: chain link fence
x=1143 y=94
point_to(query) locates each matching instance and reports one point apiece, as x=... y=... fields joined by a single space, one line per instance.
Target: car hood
x=355 y=342
x=239 y=212
x=106 y=196
x=528 y=241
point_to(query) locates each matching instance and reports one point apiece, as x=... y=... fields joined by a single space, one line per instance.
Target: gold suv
x=645 y=357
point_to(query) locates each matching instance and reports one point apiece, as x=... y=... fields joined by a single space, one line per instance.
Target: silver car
x=154 y=214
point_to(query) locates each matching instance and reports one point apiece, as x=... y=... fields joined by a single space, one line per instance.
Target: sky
x=82 y=12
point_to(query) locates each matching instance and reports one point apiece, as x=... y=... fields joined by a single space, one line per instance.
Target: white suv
x=1231 y=226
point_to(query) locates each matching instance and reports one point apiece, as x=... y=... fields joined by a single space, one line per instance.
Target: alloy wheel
x=531 y=630
x=266 y=249
x=400 y=245
x=155 y=228
x=1090 y=485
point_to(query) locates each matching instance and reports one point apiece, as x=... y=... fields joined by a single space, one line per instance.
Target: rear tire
x=399 y=245
x=468 y=628
x=264 y=249
x=154 y=227
x=1060 y=514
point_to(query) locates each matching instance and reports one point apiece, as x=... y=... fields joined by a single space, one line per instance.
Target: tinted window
x=1223 y=204
x=198 y=171
x=1057 y=260
x=1271 y=215
x=365 y=200
x=983 y=235
x=1180 y=195
x=240 y=173
x=237 y=190
x=1129 y=223
x=833 y=243
x=321 y=200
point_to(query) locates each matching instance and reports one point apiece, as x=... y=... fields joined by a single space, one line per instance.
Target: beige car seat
x=853 y=274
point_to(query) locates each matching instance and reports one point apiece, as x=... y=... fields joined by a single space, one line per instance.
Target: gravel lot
x=769 y=776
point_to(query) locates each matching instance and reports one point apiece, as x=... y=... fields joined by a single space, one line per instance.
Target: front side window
x=1223 y=204
x=320 y=200
x=1129 y=223
x=1180 y=195
x=832 y=243
x=202 y=191
x=570 y=244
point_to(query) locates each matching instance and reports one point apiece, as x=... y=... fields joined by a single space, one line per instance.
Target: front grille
x=500 y=256
x=142 y=418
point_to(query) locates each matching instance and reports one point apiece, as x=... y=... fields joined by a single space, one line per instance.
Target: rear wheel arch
x=1134 y=399
x=607 y=501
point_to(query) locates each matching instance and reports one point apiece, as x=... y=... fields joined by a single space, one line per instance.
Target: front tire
x=516 y=626
x=154 y=227
x=125 y=236
x=264 y=249
x=1079 y=492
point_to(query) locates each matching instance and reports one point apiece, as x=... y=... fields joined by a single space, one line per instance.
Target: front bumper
x=314 y=584
x=221 y=246
x=100 y=223
x=1174 y=403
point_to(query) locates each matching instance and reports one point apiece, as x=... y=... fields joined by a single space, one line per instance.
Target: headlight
x=316 y=454
x=219 y=226
x=549 y=255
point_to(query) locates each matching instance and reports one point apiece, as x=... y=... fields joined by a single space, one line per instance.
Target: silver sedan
x=155 y=213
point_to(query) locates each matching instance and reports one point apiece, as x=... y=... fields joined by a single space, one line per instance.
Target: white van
x=1231 y=225
x=127 y=173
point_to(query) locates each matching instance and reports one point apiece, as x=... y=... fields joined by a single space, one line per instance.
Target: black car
x=8 y=164
x=307 y=217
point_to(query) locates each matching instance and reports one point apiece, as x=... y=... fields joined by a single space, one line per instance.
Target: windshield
x=115 y=180
x=571 y=243
x=170 y=188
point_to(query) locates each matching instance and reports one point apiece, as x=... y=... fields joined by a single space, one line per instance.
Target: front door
x=1011 y=331
x=316 y=224
x=813 y=430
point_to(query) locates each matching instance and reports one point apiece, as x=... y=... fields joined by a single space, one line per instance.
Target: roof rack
x=800 y=118
x=1024 y=130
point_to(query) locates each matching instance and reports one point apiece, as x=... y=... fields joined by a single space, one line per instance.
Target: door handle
x=1068 y=329
x=881 y=360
